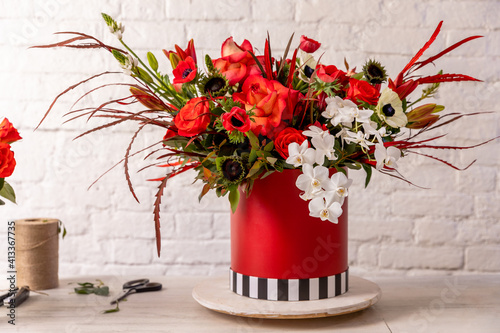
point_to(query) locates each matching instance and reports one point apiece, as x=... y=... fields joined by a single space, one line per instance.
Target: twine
x=37 y=253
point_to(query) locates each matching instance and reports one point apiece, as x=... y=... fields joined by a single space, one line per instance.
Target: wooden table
x=409 y=304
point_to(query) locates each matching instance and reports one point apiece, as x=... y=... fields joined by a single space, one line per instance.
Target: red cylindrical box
x=273 y=236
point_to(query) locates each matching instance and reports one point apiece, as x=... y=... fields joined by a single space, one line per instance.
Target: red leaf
x=439 y=55
x=445 y=78
x=422 y=50
x=292 y=69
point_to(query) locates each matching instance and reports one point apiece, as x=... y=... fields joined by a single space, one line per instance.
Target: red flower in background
x=8 y=133
x=362 y=91
x=237 y=120
x=193 y=118
x=285 y=137
x=7 y=161
x=271 y=102
x=308 y=45
x=185 y=71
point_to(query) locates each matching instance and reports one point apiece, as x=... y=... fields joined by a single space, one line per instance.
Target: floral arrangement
x=245 y=116
x=8 y=135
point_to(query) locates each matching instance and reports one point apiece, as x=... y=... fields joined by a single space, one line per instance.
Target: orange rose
x=271 y=103
x=7 y=161
x=193 y=118
x=235 y=62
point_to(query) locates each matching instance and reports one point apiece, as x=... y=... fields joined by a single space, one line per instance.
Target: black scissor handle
x=151 y=286
x=135 y=283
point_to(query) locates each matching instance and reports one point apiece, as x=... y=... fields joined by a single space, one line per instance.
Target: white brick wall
x=394 y=228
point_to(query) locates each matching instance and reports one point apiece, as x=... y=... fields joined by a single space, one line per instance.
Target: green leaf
x=119 y=56
x=152 y=61
x=63 y=228
x=269 y=146
x=8 y=192
x=116 y=309
x=2 y=202
x=234 y=198
x=254 y=141
x=2 y=180
x=144 y=75
x=255 y=169
x=253 y=156
x=84 y=291
x=368 y=169
x=102 y=291
x=108 y=19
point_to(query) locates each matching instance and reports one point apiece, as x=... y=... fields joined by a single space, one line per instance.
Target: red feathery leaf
x=293 y=64
x=422 y=50
x=268 y=61
x=445 y=78
x=440 y=54
x=442 y=161
x=156 y=212
x=68 y=89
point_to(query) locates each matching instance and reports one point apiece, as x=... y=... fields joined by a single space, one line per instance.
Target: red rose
x=308 y=45
x=7 y=161
x=237 y=120
x=8 y=133
x=193 y=118
x=363 y=91
x=271 y=102
x=185 y=71
x=331 y=73
x=285 y=137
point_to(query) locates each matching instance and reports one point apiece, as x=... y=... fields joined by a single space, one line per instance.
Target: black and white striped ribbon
x=289 y=289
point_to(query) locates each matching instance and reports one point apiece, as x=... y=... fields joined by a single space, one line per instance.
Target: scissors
x=137 y=286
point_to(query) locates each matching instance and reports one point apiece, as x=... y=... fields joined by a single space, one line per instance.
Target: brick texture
x=395 y=228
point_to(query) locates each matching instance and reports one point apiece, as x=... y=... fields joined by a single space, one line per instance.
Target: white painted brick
x=130 y=251
x=194 y=225
x=443 y=204
x=208 y=10
x=483 y=258
x=481 y=179
x=488 y=205
x=153 y=10
x=478 y=232
x=195 y=252
x=402 y=257
x=278 y=10
x=366 y=229
x=368 y=255
x=435 y=231
x=222 y=225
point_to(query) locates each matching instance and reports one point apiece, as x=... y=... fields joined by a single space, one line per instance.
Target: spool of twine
x=37 y=253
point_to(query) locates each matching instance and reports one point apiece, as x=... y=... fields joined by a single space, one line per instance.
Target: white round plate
x=214 y=293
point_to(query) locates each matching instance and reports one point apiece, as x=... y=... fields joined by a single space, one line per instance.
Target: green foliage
x=7 y=192
x=152 y=61
x=87 y=288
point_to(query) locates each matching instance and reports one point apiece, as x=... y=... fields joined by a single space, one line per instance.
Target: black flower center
x=214 y=85
x=236 y=122
x=375 y=72
x=186 y=73
x=308 y=71
x=388 y=110
x=232 y=170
